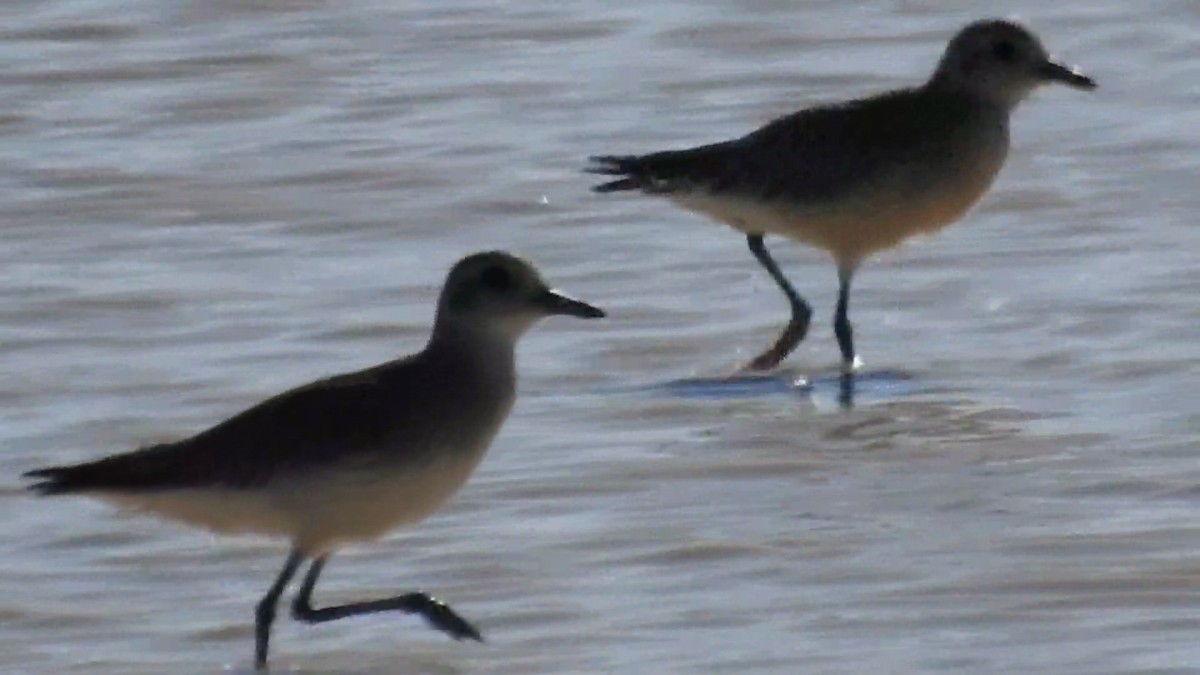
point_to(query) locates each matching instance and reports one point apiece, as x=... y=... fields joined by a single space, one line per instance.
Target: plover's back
x=852 y=179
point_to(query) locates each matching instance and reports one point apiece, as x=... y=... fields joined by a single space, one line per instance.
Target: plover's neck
x=1000 y=101
x=477 y=343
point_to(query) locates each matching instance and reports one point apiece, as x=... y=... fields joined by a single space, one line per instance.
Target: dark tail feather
x=628 y=166
x=618 y=186
x=148 y=468
x=612 y=165
x=705 y=167
x=56 y=480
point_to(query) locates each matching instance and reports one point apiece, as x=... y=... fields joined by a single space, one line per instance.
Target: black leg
x=264 y=614
x=841 y=320
x=846 y=391
x=438 y=614
x=797 y=327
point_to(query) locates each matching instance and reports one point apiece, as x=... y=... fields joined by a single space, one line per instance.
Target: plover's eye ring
x=1004 y=51
x=497 y=279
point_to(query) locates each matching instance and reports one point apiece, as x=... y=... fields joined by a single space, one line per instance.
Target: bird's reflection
x=846 y=389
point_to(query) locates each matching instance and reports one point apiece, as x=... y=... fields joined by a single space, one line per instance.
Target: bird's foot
x=442 y=617
x=770 y=359
x=762 y=363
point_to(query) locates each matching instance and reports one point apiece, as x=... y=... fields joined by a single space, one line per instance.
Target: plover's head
x=505 y=294
x=1002 y=62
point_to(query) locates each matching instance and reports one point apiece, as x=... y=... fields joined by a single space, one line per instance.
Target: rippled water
x=205 y=202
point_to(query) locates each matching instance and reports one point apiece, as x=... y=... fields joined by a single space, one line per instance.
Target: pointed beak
x=556 y=302
x=1051 y=71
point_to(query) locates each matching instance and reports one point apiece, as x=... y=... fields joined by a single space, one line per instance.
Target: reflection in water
x=872 y=387
x=735 y=386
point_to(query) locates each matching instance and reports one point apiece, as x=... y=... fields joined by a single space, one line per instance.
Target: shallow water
x=205 y=202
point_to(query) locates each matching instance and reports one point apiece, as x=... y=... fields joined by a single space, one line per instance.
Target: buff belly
x=317 y=512
x=873 y=219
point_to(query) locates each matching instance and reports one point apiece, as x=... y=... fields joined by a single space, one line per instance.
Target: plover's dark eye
x=497 y=279
x=1004 y=51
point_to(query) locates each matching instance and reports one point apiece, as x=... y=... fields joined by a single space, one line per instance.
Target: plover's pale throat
x=861 y=176
x=350 y=457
